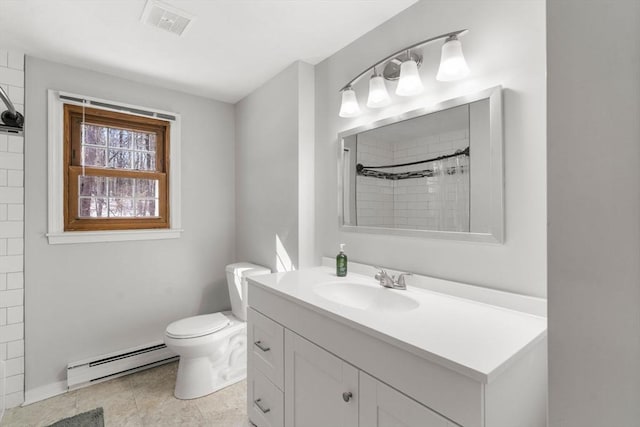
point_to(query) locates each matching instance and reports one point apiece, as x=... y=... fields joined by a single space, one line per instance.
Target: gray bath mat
x=92 y=418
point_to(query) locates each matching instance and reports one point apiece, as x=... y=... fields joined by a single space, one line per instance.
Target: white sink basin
x=365 y=297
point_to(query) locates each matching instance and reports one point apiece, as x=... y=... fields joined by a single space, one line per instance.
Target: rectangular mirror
x=435 y=172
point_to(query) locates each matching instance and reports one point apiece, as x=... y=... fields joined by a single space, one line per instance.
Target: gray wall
x=84 y=300
x=594 y=212
x=505 y=46
x=274 y=142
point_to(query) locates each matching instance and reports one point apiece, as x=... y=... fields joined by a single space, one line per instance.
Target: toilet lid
x=197 y=326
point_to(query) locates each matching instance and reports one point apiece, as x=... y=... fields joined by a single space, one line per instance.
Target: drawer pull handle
x=262 y=346
x=346 y=396
x=259 y=405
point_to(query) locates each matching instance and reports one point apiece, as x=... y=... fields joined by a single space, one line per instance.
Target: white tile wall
x=11 y=235
x=374 y=196
x=434 y=203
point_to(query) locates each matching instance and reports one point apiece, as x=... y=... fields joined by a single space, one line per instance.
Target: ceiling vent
x=166 y=17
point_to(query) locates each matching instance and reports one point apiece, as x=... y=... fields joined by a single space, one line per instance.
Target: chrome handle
x=262 y=346
x=346 y=396
x=381 y=274
x=259 y=405
x=401 y=277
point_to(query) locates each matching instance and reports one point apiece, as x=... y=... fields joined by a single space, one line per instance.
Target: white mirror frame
x=496 y=233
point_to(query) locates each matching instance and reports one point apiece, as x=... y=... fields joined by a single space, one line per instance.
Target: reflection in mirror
x=431 y=172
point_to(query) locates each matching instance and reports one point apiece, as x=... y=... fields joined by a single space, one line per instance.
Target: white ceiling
x=230 y=49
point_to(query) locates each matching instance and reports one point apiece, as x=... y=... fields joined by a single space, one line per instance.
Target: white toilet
x=213 y=347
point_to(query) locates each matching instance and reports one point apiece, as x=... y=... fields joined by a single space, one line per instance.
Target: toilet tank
x=237 y=281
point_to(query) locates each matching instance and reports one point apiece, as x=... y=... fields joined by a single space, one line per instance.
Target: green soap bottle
x=341 y=262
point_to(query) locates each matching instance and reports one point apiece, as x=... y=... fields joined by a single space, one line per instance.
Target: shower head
x=10 y=117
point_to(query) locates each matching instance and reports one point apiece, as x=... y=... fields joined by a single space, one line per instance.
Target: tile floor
x=139 y=400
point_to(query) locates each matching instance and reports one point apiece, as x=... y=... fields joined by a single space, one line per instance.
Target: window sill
x=70 y=237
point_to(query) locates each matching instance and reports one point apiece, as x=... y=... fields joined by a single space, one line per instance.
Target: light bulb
x=409 y=83
x=378 y=96
x=452 y=63
x=349 y=107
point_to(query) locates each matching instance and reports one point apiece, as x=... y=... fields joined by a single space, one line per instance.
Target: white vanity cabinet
x=316 y=364
x=321 y=389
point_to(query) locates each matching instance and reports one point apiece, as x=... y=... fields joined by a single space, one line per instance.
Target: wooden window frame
x=73 y=117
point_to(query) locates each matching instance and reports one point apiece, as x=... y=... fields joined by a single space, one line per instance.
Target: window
x=120 y=182
x=116 y=179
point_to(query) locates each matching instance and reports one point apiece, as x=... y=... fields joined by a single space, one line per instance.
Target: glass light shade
x=378 y=96
x=409 y=83
x=349 y=107
x=452 y=63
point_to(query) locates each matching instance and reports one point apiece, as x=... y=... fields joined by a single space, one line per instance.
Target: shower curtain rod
x=465 y=152
x=427 y=173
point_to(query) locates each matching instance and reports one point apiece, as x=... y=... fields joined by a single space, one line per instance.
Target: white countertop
x=473 y=338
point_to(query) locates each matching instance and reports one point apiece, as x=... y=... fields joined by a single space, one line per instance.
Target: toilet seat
x=197 y=326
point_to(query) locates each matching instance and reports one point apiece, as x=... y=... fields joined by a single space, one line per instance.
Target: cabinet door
x=321 y=390
x=383 y=406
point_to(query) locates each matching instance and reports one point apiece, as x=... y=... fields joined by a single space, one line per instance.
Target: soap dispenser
x=341 y=262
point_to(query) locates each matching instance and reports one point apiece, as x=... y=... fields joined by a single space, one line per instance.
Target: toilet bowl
x=213 y=347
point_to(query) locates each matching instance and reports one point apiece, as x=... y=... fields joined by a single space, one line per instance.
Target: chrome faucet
x=390 y=281
x=384 y=278
x=400 y=284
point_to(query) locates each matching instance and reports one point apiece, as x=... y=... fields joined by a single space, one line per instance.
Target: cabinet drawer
x=266 y=402
x=266 y=347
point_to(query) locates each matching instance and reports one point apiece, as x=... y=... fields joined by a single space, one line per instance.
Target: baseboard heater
x=113 y=365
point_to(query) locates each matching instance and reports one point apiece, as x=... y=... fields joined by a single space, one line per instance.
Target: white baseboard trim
x=44 y=392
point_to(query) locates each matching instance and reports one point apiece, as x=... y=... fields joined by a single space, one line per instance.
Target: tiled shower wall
x=374 y=196
x=11 y=235
x=433 y=203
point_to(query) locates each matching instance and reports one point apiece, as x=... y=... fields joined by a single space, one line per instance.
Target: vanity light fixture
x=403 y=66
x=409 y=83
x=452 y=63
x=349 y=107
x=378 y=95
